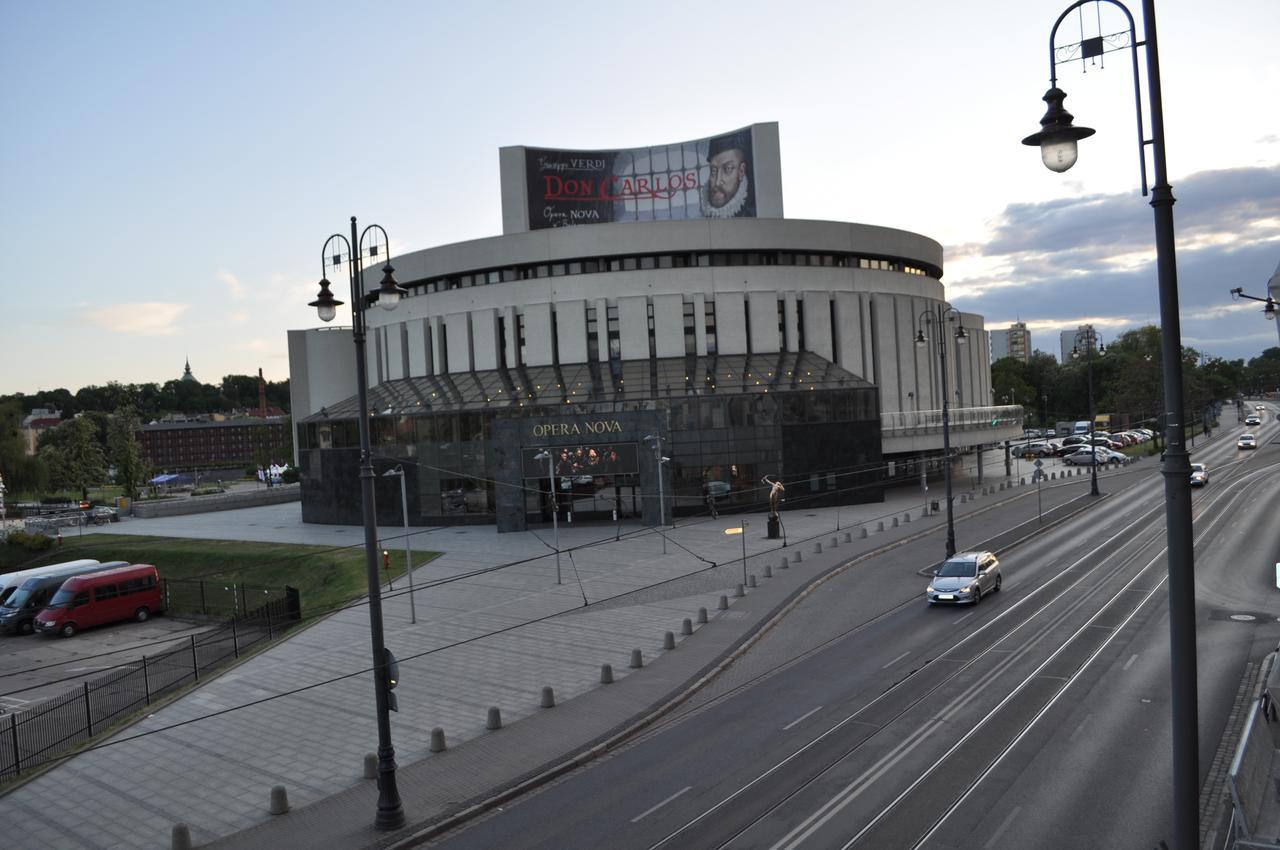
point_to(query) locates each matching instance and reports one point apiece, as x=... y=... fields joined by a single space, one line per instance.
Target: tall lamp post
x=398 y=472
x=930 y=317
x=1057 y=142
x=656 y=439
x=546 y=455
x=390 y=812
x=1090 y=340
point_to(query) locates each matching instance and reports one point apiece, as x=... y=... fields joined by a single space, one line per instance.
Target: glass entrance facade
x=466 y=441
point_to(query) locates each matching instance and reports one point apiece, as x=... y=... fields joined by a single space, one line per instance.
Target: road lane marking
x=896 y=660
x=962 y=619
x=999 y=833
x=1129 y=663
x=804 y=716
x=648 y=812
x=1080 y=728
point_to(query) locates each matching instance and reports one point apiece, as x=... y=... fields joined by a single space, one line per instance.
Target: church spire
x=186 y=371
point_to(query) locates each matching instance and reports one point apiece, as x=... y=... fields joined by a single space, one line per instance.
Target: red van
x=105 y=597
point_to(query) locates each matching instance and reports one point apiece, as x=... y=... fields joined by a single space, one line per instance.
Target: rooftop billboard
x=713 y=177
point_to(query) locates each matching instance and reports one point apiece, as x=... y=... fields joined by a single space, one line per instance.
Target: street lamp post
x=398 y=472
x=546 y=455
x=390 y=811
x=1272 y=308
x=929 y=317
x=1089 y=339
x=1057 y=141
x=662 y=493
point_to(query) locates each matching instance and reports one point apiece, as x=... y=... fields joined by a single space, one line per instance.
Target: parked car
x=963 y=578
x=1074 y=440
x=1199 y=475
x=19 y=611
x=131 y=592
x=1247 y=441
x=1065 y=450
x=1034 y=450
x=1084 y=457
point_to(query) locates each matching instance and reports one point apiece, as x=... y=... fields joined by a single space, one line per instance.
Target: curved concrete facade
x=851 y=293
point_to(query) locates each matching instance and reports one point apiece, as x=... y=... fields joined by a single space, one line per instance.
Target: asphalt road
x=1039 y=718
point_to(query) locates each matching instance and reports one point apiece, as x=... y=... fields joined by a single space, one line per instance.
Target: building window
x=710 y=314
x=690 y=330
x=593 y=336
x=653 y=343
x=615 y=339
x=522 y=353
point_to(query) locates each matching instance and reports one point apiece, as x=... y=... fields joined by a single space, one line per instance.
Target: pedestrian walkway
x=486 y=635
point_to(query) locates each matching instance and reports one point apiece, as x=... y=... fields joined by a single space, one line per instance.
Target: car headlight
x=929 y=589
x=965 y=590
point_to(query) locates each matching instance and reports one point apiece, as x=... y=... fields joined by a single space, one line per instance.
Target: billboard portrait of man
x=726 y=192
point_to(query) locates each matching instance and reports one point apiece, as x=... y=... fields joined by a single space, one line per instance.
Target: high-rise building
x=1012 y=342
x=1079 y=338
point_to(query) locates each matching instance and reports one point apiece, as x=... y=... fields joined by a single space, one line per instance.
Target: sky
x=170 y=171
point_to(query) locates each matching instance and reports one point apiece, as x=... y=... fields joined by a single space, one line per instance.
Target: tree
x=74 y=455
x=125 y=451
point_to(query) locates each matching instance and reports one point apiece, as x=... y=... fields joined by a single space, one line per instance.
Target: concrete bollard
x=606 y=674
x=906 y=517
x=862 y=533
x=964 y=497
x=637 y=658
x=895 y=522
x=768 y=571
x=702 y=616
x=848 y=537
x=686 y=627
x=817 y=548
x=751 y=580
x=880 y=525
x=279 y=800
x=834 y=544
x=549 y=696
x=1022 y=481
x=181 y=837
x=786 y=564
x=1052 y=476
x=668 y=640
x=494 y=720
x=799 y=556
x=437 y=740
x=370 y=765
x=1002 y=485
x=724 y=602
x=738 y=592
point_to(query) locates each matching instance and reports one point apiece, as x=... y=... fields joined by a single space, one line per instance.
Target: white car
x=1252 y=420
x=964 y=578
x=1247 y=441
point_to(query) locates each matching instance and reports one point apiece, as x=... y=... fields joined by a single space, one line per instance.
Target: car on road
x=1247 y=441
x=1252 y=420
x=1257 y=407
x=964 y=578
x=1199 y=475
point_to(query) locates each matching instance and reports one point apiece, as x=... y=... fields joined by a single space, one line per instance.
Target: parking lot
x=36 y=667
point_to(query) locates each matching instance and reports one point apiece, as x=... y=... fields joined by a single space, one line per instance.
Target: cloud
x=233 y=284
x=1059 y=262
x=149 y=318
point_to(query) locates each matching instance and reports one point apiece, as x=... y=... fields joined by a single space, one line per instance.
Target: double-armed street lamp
x=338 y=251
x=931 y=317
x=1090 y=340
x=1057 y=141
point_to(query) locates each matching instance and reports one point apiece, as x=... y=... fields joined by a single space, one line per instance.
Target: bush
x=290 y=476
x=58 y=500
x=30 y=542
x=207 y=491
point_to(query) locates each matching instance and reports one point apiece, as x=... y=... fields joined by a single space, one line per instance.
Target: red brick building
x=179 y=446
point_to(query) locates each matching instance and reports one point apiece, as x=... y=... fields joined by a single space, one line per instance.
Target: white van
x=1081 y=427
x=9 y=582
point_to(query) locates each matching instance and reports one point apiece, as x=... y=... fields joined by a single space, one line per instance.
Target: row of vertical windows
x=644 y=262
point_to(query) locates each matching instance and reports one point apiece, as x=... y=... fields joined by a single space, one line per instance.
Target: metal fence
x=39 y=734
x=215 y=598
